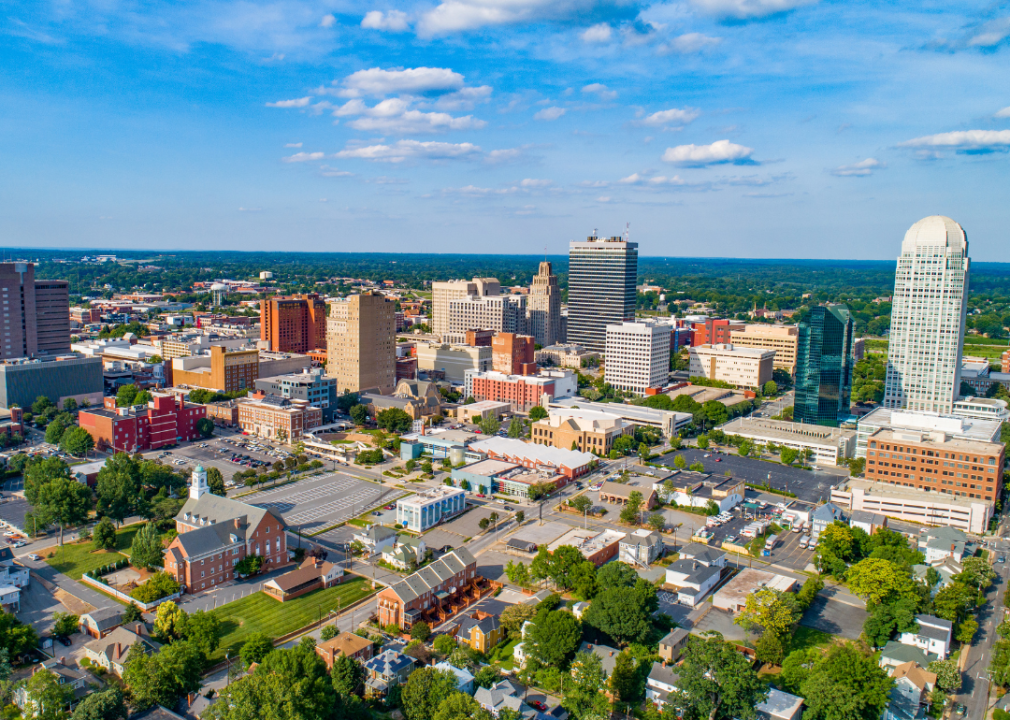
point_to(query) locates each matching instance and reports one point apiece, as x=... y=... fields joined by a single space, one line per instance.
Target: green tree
x=64 y=624
x=46 y=698
x=581 y=503
x=537 y=413
x=54 y=431
x=106 y=704
x=623 y=614
x=104 y=535
x=696 y=466
x=63 y=502
x=205 y=427
x=170 y=622
x=702 y=442
x=215 y=482
x=716 y=682
x=771 y=611
x=132 y=613
x=846 y=684
x=875 y=581
x=680 y=462
x=119 y=487
x=76 y=441
x=346 y=675
x=204 y=630
x=420 y=631
x=948 y=676
x=146 y=550
x=359 y=414
x=126 y=395
x=162 y=678
x=554 y=638
x=631 y=509
x=424 y=692
x=966 y=630
x=159 y=585
x=393 y=420
x=489 y=425
x=770 y=388
x=584 y=696
x=257 y=646
x=517 y=428
x=624 y=679
x=16 y=637
x=616 y=574
x=788 y=455
x=460 y=706
x=38 y=473
x=486 y=677
x=513 y=617
x=953 y=601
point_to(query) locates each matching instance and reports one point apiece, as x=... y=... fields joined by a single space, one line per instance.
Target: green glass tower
x=824 y=366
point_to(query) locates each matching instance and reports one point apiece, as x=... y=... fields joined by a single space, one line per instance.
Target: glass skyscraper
x=601 y=289
x=824 y=366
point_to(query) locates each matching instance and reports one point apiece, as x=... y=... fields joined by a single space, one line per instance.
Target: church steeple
x=198 y=484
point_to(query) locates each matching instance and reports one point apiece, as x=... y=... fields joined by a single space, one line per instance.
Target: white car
x=10 y=534
x=34 y=557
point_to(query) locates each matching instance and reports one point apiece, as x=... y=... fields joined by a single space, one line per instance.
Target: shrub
x=249 y=565
x=159 y=585
x=392 y=629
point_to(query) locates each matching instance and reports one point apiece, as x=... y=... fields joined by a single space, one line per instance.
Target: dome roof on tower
x=199 y=468
x=935 y=230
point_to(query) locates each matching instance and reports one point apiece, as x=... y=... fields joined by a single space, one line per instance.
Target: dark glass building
x=824 y=366
x=601 y=289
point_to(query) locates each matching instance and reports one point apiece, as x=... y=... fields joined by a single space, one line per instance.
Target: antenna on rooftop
x=627 y=232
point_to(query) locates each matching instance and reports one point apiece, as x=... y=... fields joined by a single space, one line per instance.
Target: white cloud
x=637 y=179
x=460 y=15
x=293 y=145
x=1004 y=113
x=603 y=199
x=551 y=113
x=721 y=151
x=297 y=103
x=691 y=43
x=464 y=98
x=414 y=121
x=594 y=184
x=673 y=116
x=503 y=155
x=404 y=149
x=303 y=157
x=535 y=183
x=387 y=108
x=327 y=171
x=601 y=90
x=991 y=34
x=859 y=169
x=328 y=21
x=376 y=81
x=748 y=9
x=967 y=140
x=393 y=21
x=600 y=33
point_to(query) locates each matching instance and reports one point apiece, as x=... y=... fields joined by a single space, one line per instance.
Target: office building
x=313 y=386
x=783 y=339
x=59 y=379
x=565 y=355
x=954 y=426
x=601 y=288
x=543 y=458
x=583 y=430
x=452 y=361
x=165 y=420
x=293 y=324
x=278 y=418
x=927 y=317
x=221 y=370
x=544 y=307
x=502 y=313
x=981 y=408
x=714 y=331
x=825 y=445
x=429 y=507
x=669 y=422
x=521 y=391
x=34 y=314
x=442 y=293
x=824 y=366
x=513 y=354
x=739 y=366
x=637 y=356
x=361 y=343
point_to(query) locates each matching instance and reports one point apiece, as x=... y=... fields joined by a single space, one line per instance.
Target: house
x=110 y=651
x=780 y=705
x=481 y=634
x=895 y=653
x=504 y=694
x=519 y=651
x=11 y=572
x=868 y=522
x=704 y=554
x=933 y=637
x=349 y=644
x=376 y=539
x=946 y=568
x=641 y=547
x=10 y=598
x=65 y=675
x=671 y=646
x=312 y=574
x=661 y=682
x=822 y=516
x=464 y=680
x=406 y=554
x=618 y=494
x=692 y=579
x=99 y=623
x=937 y=543
x=912 y=685
x=386 y=670
x=215 y=533
x=606 y=654
x=578 y=609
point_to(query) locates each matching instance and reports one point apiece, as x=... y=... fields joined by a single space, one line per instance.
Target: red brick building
x=294 y=324
x=434 y=592
x=166 y=420
x=714 y=332
x=513 y=354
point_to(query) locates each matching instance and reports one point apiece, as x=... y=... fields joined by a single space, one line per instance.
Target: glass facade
x=601 y=289
x=824 y=364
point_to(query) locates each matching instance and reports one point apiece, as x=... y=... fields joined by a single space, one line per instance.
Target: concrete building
x=313 y=386
x=475 y=412
x=597 y=547
x=982 y=408
x=569 y=463
x=453 y=360
x=521 y=391
x=499 y=313
x=429 y=507
x=637 y=355
x=732 y=596
x=903 y=503
x=543 y=307
x=828 y=444
x=443 y=293
x=221 y=370
x=739 y=366
x=824 y=366
x=293 y=324
x=278 y=418
x=783 y=339
x=583 y=430
x=694 y=489
x=34 y=314
x=361 y=343
x=166 y=420
x=927 y=317
x=668 y=421
x=602 y=273
x=274 y=363
x=512 y=354
x=68 y=377
x=954 y=426
x=565 y=355
x=715 y=331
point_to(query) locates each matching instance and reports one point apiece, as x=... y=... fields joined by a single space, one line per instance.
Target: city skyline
x=751 y=128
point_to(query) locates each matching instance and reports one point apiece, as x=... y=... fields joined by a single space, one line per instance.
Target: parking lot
x=218 y=452
x=321 y=501
x=456 y=532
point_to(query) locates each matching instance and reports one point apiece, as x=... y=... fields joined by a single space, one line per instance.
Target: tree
x=966 y=630
x=64 y=502
x=420 y=631
x=104 y=535
x=346 y=675
x=489 y=425
x=584 y=696
x=359 y=414
x=132 y=614
x=616 y=574
x=215 y=482
x=554 y=638
x=696 y=466
x=126 y=395
x=770 y=610
x=581 y=503
x=788 y=455
x=393 y=420
x=54 y=431
x=517 y=428
x=119 y=487
x=16 y=637
x=631 y=509
x=624 y=680
x=41 y=472
x=703 y=442
x=257 y=646
x=204 y=630
x=170 y=622
x=520 y=516
x=46 y=697
x=770 y=388
x=622 y=614
x=460 y=706
x=876 y=580
x=424 y=692
x=64 y=624
x=103 y=705
x=680 y=462
x=486 y=677
x=716 y=682
x=846 y=684
x=657 y=521
x=205 y=426
x=953 y=601
x=76 y=441
x=976 y=572
x=948 y=676
x=513 y=617
x=146 y=550
x=770 y=648
x=537 y=413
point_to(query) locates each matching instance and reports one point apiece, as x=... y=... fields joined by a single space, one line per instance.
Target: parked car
x=539 y=705
x=1000 y=559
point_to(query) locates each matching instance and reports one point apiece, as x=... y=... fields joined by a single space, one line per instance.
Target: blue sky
x=747 y=128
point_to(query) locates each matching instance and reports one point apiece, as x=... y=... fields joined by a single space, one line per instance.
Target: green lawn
x=259 y=613
x=807 y=637
x=74 y=559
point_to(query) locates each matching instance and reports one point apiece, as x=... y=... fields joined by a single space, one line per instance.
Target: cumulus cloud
x=599 y=33
x=410 y=149
x=1004 y=113
x=673 y=116
x=414 y=81
x=504 y=155
x=535 y=183
x=392 y=21
x=603 y=199
x=303 y=157
x=551 y=113
x=689 y=43
x=656 y=180
x=297 y=103
x=859 y=169
x=747 y=9
x=721 y=151
x=395 y=116
x=600 y=90
x=293 y=145
x=966 y=141
x=460 y=15
x=328 y=21
x=327 y=171
x=464 y=98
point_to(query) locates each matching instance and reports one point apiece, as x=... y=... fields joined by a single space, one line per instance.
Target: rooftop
x=489 y=468
x=541 y=454
x=788 y=431
x=588 y=542
x=883 y=490
x=738 y=350
x=981 y=447
x=967 y=428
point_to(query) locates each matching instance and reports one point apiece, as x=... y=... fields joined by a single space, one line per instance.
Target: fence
x=119 y=595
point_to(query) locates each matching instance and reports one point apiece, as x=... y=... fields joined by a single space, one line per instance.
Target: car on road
x=539 y=705
x=10 y=534
x=1001 y=559
x=34 y=557
x=960 y=709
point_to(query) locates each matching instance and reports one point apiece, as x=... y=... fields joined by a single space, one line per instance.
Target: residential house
x=933 y=637
x=464 y=679
x=481 y=634
x=312 y=574
x=661 y=682
x=868 y=522
x=671 y=646
x=435 y=592
x=519 y=651
x=110 y=651
x=937 y=543
x=641 y=547
x=12 y=572
x=695 y=489
x=504 y=694
x=779 y=705
x=895 y=653
x=946 y=568
x=99 y=623
x=618 y=494
x=704 y=554
x=693 y=580
x=912 y=685
x=10 y=598
x=386 y=670
x=376 y=539
x=822 y=516
x=579 y=608
x=408 y=552
x=67 y=676
x=606 y=654
x=349 y=644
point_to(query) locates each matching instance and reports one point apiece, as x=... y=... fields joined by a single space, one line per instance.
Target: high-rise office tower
x=34 y=314
x=544 y=307
x=601 y=288
x=824 y=366
x=293 y=324
x=637 y=355
x=927 y=317
x=361 y=343
x=442 y=293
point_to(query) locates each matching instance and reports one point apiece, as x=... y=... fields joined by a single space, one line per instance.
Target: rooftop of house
x=388 y=663
x=345 y=644
x=606 y=654
x=424 y=580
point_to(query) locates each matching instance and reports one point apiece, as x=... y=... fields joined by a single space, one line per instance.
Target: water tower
x=218 y=291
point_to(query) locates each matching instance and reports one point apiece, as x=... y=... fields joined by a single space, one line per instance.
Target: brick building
x=164 y=421
x=222 y=370
x=521 y=391
x=434 y=592
x=215 y=533
x=294 y=324
x=513 y=354
x=271 y=416
x=715 y=332
x=580 y=429
x=34 y=314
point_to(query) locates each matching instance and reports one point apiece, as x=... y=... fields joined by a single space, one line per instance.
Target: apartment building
x=442 y=293
x=428 y=508
x=34 y=314
x=293 y=324
x=165 y=420
x=544 y=307
x=715 y=331
x=739 y=366
x=601 y=289
x=782 y=339
x=521 y=391
x=513 y=354
x=637 y=356
x=361 y=343
x=222 y=370
x=278 y=418
x=583 y=430
x=453 y=360
x=432 y=591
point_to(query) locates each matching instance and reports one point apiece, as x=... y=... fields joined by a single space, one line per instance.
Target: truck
x=770 y=542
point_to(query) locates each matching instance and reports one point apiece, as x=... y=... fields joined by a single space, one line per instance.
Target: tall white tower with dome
x=198 y=484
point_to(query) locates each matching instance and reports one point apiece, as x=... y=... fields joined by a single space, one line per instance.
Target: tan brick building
x=361 y=343
x=222 y=370
x=583 y=430
x=278 y=418
x=783 y=339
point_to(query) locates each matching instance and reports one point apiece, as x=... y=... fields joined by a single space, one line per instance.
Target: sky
x=714 y=128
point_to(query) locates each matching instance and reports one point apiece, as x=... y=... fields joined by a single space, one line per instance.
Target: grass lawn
x=806 y=637
x=74 y=559
x=503 y=654
x=259 y=613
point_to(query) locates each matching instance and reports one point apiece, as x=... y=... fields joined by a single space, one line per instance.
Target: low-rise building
x=732 y=596
x=692 y=580
x=66 y=676
x=822 y=516
x=432 y=592
x=868 y=522
x=66 y=377
x=780 y=705
x=669 y=422
x=827 y=445
x=953 y=426
x=584 y=430
x=99 y=623
x=385 y=671
x=313 y=574
x=312 y=386
x=418 y=398
x=944 y=542
x=704 y=554
x=407 y=553
x=565 y=355
x=477 y=411
x=740 y=366
x=596 y=547
x=278 y=418
x=910 y=693
x=429 y=507
x=662 y=681
x=464 y=678
x=164 y=421
x=111 y=650
x=933 y=637
x=453 y=360
x=221 y=370
x=641 y=547
x=480 y=633
x=982 y=408
x=619 y=494
x=895 y=653
x=783 y=339
x=483 y=476
x=346 y=644
x=672 y=645
x=694 y=489
x=568 y=463
x=902 y=503
x=504 y=694
x=375 y=538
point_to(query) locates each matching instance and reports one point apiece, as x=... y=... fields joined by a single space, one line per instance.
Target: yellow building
x=222 y=371
x=582 y=430
x=480 y=634
x=361 y=343
x=783 y=339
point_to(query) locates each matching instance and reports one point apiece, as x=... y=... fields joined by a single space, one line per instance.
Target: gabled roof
x=422 y=581
x=376 y=533
x=211 y=538
x=919 y=677
x=674 y=637
x=388 y=663
x=897 y=653
x=117 y=643
x=702 y=553
x=216 y=509
x=105 y=618
x=660 y=673
x=606 y=654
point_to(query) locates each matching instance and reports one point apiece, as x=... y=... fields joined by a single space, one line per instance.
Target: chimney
x=63 y=660
x=952 y=547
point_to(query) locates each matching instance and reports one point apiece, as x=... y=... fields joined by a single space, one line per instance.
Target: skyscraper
x=927 y=317
x=601 y=288
x=34 y=314
x=293 y=324
x=544 y=307
x=361 y=343
x=824 y=366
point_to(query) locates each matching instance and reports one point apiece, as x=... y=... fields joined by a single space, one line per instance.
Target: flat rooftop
x=898 y=493
x=489 y=468
x=634 y=413
x=954 y=444
x=788 y=431
x=968 y=428
x=587 y=541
